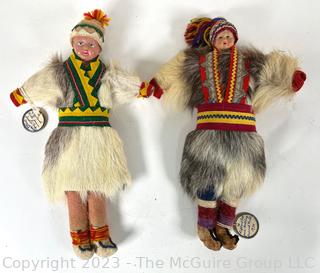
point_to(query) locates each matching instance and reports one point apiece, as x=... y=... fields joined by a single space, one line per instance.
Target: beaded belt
x=226 y=117
x=84 y=116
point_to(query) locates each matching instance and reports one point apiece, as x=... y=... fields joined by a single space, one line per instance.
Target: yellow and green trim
x=85 y=79
x=84 y=116
x=90 y=26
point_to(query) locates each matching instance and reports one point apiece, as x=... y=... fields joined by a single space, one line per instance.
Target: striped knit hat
x=201 y=32
x=95 y=20
x=221 y=24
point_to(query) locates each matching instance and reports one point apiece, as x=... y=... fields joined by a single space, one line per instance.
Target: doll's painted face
x=224 y=40
x=85 y=47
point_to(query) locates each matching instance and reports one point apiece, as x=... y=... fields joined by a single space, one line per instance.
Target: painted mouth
x=85 y=53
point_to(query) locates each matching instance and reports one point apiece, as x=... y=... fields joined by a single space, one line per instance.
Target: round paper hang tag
x=34 y=120
x=246 y=225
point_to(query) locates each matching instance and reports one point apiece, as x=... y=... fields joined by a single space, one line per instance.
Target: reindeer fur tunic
x=232 y=162
x=82 y=158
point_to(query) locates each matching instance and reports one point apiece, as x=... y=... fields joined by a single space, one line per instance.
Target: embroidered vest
x=85 y=81
x=221 y=110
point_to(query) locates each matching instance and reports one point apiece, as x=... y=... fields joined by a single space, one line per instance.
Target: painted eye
x=91 y=45
x=80 y=43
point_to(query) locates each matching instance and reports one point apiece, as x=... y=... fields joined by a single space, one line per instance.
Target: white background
x=154 y=219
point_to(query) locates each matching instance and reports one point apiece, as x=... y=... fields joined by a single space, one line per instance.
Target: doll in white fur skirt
x=84 y=156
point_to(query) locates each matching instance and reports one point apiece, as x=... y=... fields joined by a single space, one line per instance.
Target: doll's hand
x=146 y=90
x=298 y=79
x=17 y=98
x=151 y=88
x=158 y=92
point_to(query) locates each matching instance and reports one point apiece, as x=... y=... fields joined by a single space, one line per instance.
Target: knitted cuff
x=17 y=98
x=226 y=215
x=207 y=217
x=80 y=237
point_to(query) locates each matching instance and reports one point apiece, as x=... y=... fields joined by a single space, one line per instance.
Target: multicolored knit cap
x=221 y=24
x=201 y=32
x=96 y=21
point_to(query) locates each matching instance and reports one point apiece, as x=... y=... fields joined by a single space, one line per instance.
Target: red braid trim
x=246 y=81
x=205 y=90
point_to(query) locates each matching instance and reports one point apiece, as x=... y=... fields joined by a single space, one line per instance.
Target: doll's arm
x=168 y=83
x=123 y=85
x=42 y=88
x=279 y=77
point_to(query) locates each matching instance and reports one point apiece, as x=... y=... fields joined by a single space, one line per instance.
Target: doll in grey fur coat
x=223 y=159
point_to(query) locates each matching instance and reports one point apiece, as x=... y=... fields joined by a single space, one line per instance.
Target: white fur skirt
x=84 y=159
